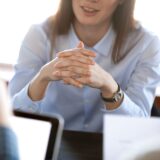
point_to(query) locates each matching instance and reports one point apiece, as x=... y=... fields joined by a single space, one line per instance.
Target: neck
x=90 y=35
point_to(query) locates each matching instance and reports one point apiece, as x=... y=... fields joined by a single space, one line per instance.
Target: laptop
x=39 y=136
x=124 y=135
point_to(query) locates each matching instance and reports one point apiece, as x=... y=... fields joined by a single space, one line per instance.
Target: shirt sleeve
x=139 y=94
x=34 y=53
x=8 y=144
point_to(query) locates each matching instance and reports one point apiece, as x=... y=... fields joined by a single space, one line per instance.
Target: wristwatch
x=116 y=97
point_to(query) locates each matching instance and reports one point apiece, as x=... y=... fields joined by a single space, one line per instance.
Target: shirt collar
x=103 y=47
x=74 y=40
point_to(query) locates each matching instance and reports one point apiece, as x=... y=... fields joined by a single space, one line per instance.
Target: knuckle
x=88 y=72
x=89 y=79
x=69 y=68
x=90 y=68
x=60 y=73
x=87 y=67
x=74 y=63
x=72 y=57
x=70 y=73
x=60 y=54
x=72 y=68
x=67 y=80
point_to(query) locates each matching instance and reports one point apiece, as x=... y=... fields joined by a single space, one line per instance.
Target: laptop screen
x=33 y=136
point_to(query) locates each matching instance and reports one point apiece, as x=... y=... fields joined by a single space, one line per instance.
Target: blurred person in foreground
x=8 y=140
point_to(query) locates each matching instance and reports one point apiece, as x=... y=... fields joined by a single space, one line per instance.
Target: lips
x=89 y=10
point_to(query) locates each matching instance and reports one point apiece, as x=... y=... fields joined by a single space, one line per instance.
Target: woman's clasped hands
x=76 y=67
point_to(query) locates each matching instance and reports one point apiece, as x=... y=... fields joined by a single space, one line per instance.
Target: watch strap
x=116 y=97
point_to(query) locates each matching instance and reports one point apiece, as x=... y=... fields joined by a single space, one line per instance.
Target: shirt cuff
x=23 y=102
x=128 y=108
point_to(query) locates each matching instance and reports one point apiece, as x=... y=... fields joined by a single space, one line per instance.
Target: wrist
x=40 y=80
x=37 y=87
x=108 y=90
x=42 y=76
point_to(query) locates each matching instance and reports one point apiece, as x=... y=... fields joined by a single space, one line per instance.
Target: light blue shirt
x=138 y=74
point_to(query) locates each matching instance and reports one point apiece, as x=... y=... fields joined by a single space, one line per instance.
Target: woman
x=89 y=59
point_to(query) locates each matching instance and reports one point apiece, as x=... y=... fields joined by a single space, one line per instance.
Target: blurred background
x=16 y=17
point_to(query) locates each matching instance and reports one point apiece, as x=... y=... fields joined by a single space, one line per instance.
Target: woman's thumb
x=80 y=45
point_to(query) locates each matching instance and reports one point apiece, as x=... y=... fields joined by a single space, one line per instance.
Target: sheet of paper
x=33 y=136
x=122 y=133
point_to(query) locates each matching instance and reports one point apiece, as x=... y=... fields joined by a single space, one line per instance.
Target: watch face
x=118 y=96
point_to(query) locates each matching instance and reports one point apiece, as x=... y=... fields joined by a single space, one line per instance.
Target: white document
x=33 y=136
x=122 y=133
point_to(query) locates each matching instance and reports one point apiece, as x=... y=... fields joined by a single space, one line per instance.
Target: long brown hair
x=123 y=23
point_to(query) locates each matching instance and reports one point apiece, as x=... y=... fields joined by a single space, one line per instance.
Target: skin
x=86 y=25
x=76 y=66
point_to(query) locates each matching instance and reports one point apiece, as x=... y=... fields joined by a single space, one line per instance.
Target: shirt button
x=86 y=101
x=85 y=125
x=31 y=109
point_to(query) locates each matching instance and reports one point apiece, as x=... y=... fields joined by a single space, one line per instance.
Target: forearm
x=37 y=87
